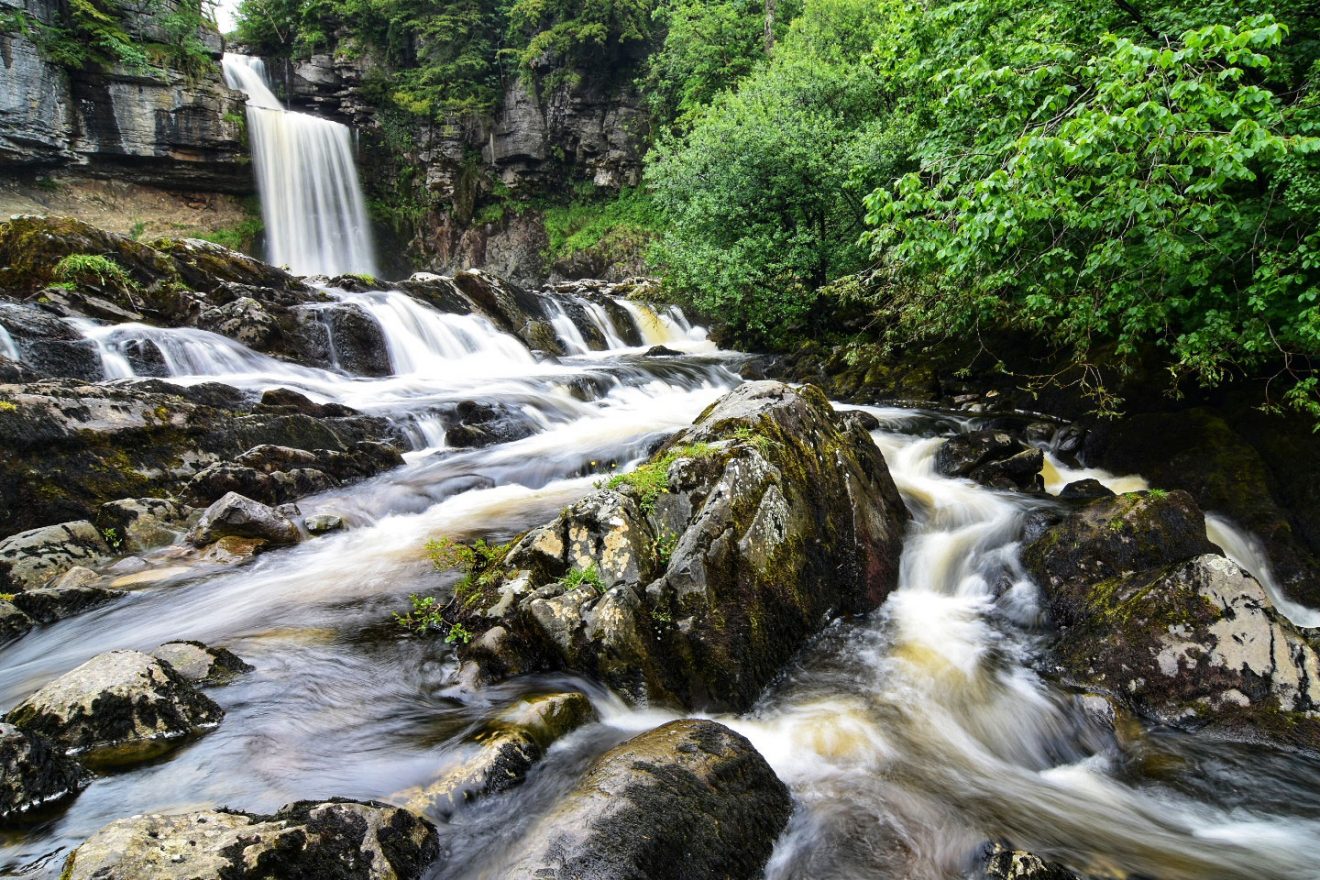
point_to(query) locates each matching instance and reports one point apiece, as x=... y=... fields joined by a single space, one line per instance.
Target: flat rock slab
x=117 y=706
x=337 y=840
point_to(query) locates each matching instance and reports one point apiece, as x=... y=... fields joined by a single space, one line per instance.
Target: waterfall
x=311 y=200
x=7 y=347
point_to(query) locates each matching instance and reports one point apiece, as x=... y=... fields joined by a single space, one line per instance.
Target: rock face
x=693 y=580
x=235 y=516
x=117 y=705
x=33 y=774
x=691 y=800
x=1158 y=620
x=154 y=125
x=336 y=840
x=29 y=559
x=992 y=458
x=74 y=447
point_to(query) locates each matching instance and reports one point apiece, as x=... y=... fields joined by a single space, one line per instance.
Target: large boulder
x=117 y=706
x=1154 y=617
x=335 y=840
x=29 y=559
x=33 y=774
x=690 y=800
x=995 y=459
x=694 y=579
x=235 y=516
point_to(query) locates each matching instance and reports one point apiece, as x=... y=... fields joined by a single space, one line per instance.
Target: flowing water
x=311 y=201
x=908 y=737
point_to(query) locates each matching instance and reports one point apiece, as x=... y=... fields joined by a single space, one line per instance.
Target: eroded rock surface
x=336 y=840
x=995 y=459
x=201 y=663
x=31 y=559
x=33 y=774
x=694 y=580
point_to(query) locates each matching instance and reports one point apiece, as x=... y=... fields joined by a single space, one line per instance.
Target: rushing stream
x=908 y=738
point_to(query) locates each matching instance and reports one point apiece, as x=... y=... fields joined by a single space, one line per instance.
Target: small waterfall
x=1245 y=549
x=565 y=329
x=7 y=347
x=597 y=315
x=311 y=201
x=655 y=329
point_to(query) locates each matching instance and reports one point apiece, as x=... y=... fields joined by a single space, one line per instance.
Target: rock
x=691 y=787
x=30 y=559
x=142 y=524
x=34 y=774
x=992 y=458
x=233 y=550
x=235 y=516
x=121 y=705
x=74 y=447
x=358 y=341
x=661 y=351
x=13 y=623
x=76 y=577
x=482 y=424
x=48 y=346
x=510 y=745
x=288 y=400
x=336 y=840
x=57 y=603
x=1002 y=863
x=1111 y=537
x=201 y=664
x=324 y=523
x=693 y=581
x=1085 y=490
x=274 y=474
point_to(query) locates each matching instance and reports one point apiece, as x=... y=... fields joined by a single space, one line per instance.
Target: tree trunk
x=771 y=7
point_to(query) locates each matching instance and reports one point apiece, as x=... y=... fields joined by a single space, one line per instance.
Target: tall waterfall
x=311 y=200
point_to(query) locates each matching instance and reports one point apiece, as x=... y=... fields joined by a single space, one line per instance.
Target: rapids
x=908 y=738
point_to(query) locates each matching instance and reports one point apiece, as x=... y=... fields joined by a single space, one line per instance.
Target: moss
x=650 y=481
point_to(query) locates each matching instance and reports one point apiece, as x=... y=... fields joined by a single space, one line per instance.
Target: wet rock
x=235 y=516
x=694 y=580
x=201 y=664
x=142 y=524
x=662 y=351
x=995 y=459
x=288 y=400
x=233 y=550
x=358 y=342
x=275 y=474
x=511 y=744
x=336 y=840
x=121 y=705
x=244 y=320
x=30 y=559
x=1002 y=863
x=34 y=774
x=76 y=577
x=52 y=604
x=13 y=623
x=691 y=787
x=483 y=424
x=47 y=346
x=1085 y=490
x=324 y=523
x=1111 y=537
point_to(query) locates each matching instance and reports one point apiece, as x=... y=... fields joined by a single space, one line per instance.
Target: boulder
x=357 y=341
x=47 y=346
x=33 y=774
x=1085 y=490
x=694 y=579
x=1002 y=863
x=690 y=800
x=13 y=623
x=56 y=603
x=995 y=459
x=1110 y=537
x=1157 y=620
x=200 y=663
x=235 y=516
x=29 y=559
x=324 y=523
x=141 y=524
x=118 y=705
x=508 y=747
x=335 y=840
x=484 y=424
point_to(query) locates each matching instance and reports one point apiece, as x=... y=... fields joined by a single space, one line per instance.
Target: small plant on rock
x=82 y=267
x=650 y=481
x=584 y=577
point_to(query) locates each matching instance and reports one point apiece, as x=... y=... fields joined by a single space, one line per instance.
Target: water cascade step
x=311 y=200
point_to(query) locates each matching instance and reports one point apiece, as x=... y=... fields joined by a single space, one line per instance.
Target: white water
x=7 y=347
x=311 y=200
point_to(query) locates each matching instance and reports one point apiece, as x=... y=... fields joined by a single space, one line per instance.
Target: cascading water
x=7 y=347
x=311 y=201
x=908 y=738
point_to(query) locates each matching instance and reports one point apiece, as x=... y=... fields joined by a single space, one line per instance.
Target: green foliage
x=479 y=562
x=87 y=267
x=91 y=33
x=665 y=543
x=762 y=197
x=651 y=480
x=1114 y=196
x=113 y=539
x=584 y=223
x=584 y=577
x=563 y=35
x=760 y=442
